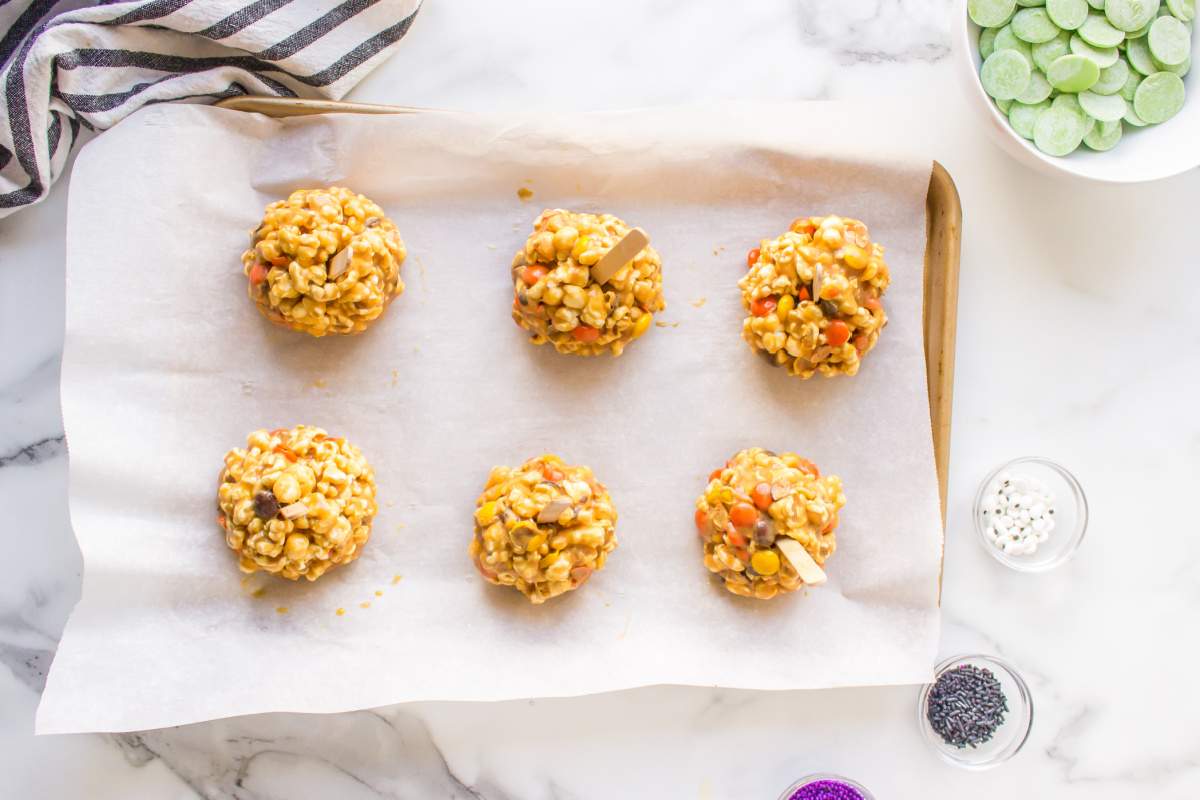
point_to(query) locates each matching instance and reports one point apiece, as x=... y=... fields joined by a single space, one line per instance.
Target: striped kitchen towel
x=74 y=64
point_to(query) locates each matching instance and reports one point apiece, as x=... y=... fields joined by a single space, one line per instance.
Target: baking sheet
x=167 y=365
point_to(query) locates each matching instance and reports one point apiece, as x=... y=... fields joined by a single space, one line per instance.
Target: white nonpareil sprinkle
x=1018 y=513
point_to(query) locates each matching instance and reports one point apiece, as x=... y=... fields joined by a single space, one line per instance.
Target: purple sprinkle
x=826 y=790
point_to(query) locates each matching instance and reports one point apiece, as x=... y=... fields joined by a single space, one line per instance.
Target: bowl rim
x=968 y=41
x=1023 y=692
x=1076 y=535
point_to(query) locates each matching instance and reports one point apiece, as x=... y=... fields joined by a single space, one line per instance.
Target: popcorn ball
x=814 y=296
x=767 y=522
x=324 y=261
x=543 y=528
x=557 y=298
x=296 y=502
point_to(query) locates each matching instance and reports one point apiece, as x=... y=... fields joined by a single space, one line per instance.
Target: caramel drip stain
x=341 y=612
x=396 y=579
x=699 y=302
x=319 y=383
x=379 y=592
x=281 y=609
x=395 y=378
x=259 y=592
x=365 y=604
x=524 y=193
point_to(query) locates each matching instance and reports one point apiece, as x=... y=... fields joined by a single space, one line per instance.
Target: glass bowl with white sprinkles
x=977 y=713
x=1031 y=514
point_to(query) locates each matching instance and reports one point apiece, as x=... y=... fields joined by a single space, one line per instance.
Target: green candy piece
x=1096 y=4
x=991 y=13
x=1097 y=31
x=1139 y=33
x=1007 y=40
x=1133 y=119
x=1029 y=3
x=1023 y=117
x=1104 y=136
x=1112 y=78
x=1058 y=131
x=1138 y=53
x=1102 y=107
x=1067 y=14
x=1045 y=52
x=1038 y=90
x=1131 y=84
x=1005 y=74
x=1170 y=41
x=1130 y=15
x=1004 y=105
x=1033 y=25
x=1103 y=56
x=987 y=41
x=1182 y=10
x=1178 y=69
x=1159 y=97
x=1072 y=73
x=1070 y=102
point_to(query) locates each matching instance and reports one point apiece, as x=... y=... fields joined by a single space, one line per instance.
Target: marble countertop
x=1076 y=341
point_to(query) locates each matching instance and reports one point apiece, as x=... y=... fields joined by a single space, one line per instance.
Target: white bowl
x=1146 y=154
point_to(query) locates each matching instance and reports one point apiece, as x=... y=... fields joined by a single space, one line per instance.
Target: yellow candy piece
x=642 y=325
x=765 y=562
x=486 y=514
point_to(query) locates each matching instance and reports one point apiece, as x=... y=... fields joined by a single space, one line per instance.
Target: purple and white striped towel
x=75 y=64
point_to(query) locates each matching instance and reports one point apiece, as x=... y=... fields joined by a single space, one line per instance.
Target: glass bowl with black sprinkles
x=977 y=713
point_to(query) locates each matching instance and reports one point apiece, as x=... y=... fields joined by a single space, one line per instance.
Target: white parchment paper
x=168 y=364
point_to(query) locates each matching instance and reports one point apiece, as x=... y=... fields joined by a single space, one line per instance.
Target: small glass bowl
x=1070 y=515
x=1009 y=737
x=826 y=776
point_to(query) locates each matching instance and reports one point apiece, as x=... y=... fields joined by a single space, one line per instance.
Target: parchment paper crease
x=168 y=364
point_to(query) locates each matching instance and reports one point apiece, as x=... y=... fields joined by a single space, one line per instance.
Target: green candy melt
x=1169 y=40
x=1183 y=10
x=1159 y=97
x=1067 y=14
x=1033 y=25
x=1097 y=31
x=1005 y=74
x=991 y=13
x=1103 y=56
x=1058 y=131
x=1073 y=73
x=1104 y=136
x=1130 y=15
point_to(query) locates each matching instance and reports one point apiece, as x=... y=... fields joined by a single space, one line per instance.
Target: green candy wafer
x=1006 y=74
x=1130 y=15
x=991 y=13
x=1104 y=136
x=1072 y=73
x=1067 y=14
x=1169 y=40
x=1159 y=97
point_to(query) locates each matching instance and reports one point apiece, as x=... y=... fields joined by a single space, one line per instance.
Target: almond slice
x=620 y=254
x=297 y=509
x=340 y=262
x=554 y=509
x=780 y=490
x=818 y=279
x=809 y=571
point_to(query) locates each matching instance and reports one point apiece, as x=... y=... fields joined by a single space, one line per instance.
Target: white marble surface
x=1076 y=340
